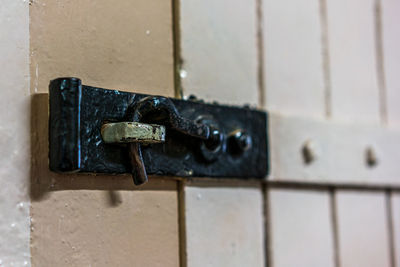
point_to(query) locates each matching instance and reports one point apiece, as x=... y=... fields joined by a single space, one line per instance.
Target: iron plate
x=77 y=113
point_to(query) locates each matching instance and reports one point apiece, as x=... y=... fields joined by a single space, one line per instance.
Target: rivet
x=309 y=152
x=239 y=141
x=370 y=157
x=243 y=140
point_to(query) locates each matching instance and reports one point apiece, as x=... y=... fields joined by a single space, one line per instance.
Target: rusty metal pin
x=174 y=120
x=139 y=174
x=134 y=133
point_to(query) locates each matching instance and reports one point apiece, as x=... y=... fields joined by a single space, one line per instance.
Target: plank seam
x=260 y=50
x=380 y=62
x=325 y=58
x=389 y=213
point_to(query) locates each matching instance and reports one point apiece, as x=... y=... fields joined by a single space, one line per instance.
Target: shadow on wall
x=43 y=181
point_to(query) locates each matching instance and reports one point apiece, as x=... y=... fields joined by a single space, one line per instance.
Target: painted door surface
x=327 y=71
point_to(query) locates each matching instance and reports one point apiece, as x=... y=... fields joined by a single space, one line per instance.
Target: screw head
x=240 y=141
x=370 y=157
x=212 y=148
x=309 y=152
x=243 y=140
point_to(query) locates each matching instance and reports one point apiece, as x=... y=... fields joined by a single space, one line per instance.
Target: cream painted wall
x=83 y=220
x=14 y=134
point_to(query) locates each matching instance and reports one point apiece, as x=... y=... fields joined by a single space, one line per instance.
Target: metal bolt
x=192 y=98
x=211 y=149
x=243 y=140
x=308 y=152
x=370 y=157
x=240 y=141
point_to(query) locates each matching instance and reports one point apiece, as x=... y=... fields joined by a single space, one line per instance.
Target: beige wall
x=324 y=69
x=14 y=134
x=88 y=220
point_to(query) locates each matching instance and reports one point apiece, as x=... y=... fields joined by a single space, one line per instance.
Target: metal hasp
x=95 y=130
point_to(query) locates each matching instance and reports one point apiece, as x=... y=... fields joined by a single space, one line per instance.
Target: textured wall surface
x=14 y=134
x=102 y=228
x=84 y=220
x=125 y=45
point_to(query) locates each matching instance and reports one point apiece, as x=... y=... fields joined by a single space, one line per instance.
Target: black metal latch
x=95 y=130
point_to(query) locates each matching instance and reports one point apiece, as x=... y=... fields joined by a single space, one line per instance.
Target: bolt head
x=239 y=142
x=309 y=152
x=370 y=157
x=243 y=141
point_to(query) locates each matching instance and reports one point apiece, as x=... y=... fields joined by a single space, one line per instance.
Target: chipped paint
x=126 y=132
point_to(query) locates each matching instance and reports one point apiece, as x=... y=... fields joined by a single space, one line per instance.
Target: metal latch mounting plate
x=78 y=113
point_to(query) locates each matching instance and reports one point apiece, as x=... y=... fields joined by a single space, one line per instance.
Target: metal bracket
x=89 y=129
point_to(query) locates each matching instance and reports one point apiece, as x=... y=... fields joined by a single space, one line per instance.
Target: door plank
x=218 y=50
x=396 y=226
x=301 y=231
x=353 y=65
x=224 y=225
x=293 y=63
x=362 y=229
x=391 y=44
